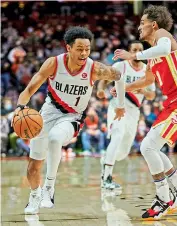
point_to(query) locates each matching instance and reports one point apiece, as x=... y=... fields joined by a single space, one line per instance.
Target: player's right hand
x=101 y=94
x=113 y=92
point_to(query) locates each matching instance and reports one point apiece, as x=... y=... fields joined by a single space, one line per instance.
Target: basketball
x=28 y=123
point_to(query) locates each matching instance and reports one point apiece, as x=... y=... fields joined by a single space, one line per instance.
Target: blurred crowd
x=33 y=31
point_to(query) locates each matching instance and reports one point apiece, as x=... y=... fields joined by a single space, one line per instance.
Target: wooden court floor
x=78 y=199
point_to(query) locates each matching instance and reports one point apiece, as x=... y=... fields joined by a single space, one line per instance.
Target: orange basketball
x=28 y=123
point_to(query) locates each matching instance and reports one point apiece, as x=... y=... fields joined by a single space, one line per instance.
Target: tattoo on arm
x=104 y=72
x=115 y=74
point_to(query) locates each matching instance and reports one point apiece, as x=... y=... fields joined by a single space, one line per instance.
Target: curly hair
x=161 y=15
x=77 y=32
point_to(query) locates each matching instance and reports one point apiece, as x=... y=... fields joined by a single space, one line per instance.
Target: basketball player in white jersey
x=123 y=132
x=70 y=82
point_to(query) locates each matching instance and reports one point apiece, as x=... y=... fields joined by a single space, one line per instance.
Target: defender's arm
x=143 y=82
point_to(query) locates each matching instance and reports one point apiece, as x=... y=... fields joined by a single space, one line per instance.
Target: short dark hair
x=77 y=32
x=161 y=15
x=133 y=42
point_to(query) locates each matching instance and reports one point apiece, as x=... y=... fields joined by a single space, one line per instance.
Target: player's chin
x=141 y=37
x=81 y=62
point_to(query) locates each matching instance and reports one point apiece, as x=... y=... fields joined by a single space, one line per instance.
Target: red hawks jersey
x=70 y=93
x=165 y=71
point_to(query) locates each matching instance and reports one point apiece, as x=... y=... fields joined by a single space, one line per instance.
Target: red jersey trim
x=134 y=99
x=59 y=101
x=55 y=71
x=91 y=75
x=66 y=67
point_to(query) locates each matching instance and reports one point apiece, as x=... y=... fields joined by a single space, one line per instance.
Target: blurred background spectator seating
x=33 y=31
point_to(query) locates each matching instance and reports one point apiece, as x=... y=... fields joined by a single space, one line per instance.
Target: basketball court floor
x=78 y=199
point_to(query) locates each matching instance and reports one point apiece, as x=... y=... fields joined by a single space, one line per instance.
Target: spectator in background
x=141 y=133
x=36 y=32
x=149 y=114
x=92 y=136
x=4 y=135
x=68 y=151
x=7 y=106
x=5 y=78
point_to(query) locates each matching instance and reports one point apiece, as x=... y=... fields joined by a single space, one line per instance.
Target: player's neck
x=73 y=68
x=151 y=39
x=136 y=65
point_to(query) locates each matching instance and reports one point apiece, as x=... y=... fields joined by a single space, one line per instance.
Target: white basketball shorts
x=52 y=117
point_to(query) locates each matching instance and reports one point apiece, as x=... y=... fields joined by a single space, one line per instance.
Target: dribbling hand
x=19 y=108
x=122 y=54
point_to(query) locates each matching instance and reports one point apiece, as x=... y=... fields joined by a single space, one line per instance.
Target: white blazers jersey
x=70 y=93
x=131 y=75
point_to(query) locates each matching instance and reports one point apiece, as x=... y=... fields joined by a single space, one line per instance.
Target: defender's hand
x=119 y=113
x=113 y=92
x=122 y=54
x=101 y=94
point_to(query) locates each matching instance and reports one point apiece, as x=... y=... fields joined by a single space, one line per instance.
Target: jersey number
x=159 y=78
x=77 y=101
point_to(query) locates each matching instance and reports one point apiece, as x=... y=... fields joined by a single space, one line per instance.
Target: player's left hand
x=119 y=113
x=123 y=54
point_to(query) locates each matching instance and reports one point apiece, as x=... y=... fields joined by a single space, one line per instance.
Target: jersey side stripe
x=165 y=120
x=172 y=68
x=166 y=129
x=173 y=138
x=60 y=101
x=172 y=131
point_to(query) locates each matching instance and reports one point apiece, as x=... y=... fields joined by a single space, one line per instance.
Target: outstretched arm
x=143 y=82
x=163 y=48
x=104 y=72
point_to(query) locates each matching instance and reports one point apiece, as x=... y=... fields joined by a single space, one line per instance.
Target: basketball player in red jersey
x=162 y=57
x=70 y=82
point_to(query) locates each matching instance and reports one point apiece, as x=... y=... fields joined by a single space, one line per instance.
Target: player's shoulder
x=162 y=33
x=50 y=60
x=119 y=64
